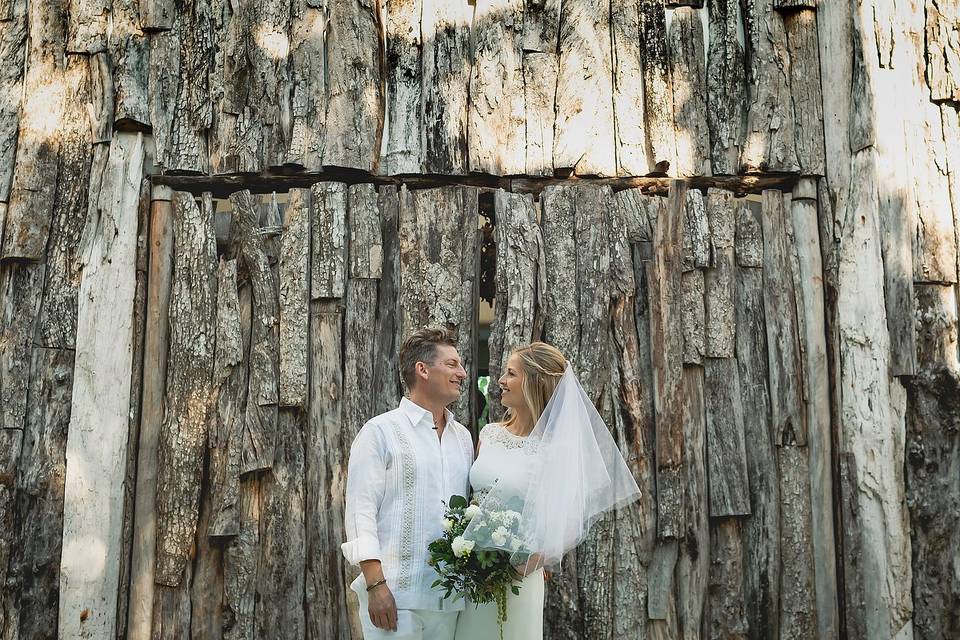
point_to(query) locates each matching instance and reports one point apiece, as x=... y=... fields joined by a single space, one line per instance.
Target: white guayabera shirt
x=398 y=478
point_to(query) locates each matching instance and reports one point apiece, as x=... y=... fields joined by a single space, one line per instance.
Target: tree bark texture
x=779 y=369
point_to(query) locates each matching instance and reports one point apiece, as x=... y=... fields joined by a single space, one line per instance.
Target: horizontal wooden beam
x=222 y=186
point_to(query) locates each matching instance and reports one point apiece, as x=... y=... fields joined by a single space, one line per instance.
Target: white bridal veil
x=576 y=473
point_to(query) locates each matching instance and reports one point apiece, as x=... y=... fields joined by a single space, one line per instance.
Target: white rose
x=471 y=512
x=499 y=536
x=461 y=547
x=514 y=543
x=447 y=524
x=513 y=515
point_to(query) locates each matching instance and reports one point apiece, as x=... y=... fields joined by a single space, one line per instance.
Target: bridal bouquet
x=483 y=575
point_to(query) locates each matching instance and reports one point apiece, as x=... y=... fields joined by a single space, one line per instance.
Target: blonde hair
x=543 y=365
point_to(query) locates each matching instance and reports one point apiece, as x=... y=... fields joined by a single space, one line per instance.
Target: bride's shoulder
x=488 y=429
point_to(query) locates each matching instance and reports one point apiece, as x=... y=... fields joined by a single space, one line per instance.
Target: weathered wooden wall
x=177 y=398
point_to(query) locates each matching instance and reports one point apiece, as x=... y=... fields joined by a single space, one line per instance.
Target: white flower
x=471 y=511
x=461 y=547
x=512 y=515
x=514 y=543
x=447 y=524
x=499 y=536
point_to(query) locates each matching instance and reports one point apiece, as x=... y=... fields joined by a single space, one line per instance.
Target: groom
x=404 y=464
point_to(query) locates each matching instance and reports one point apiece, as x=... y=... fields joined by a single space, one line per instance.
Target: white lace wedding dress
x=502 y=457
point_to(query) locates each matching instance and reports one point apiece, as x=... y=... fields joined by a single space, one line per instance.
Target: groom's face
x=442 y=379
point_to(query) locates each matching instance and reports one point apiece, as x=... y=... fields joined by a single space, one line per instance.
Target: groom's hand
x=382 y=608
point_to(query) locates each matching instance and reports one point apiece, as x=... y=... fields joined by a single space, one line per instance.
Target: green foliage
x=481 y=574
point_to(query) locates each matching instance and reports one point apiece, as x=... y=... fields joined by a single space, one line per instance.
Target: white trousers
x=412 y=624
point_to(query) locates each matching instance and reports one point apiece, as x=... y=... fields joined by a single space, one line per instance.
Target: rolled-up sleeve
x=366 y=482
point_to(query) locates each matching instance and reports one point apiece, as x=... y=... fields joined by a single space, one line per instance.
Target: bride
x=554 y=456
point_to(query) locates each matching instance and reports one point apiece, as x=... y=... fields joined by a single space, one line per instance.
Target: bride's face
x=511 y=385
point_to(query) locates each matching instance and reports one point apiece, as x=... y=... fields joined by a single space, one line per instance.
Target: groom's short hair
x=421 y=346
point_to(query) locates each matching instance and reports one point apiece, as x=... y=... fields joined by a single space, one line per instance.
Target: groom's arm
x=366 y=483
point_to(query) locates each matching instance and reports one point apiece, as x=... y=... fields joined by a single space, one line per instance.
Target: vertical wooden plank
x=46 y=87
x=812 y=295
x=584 y=133
x=21 y=287
x=783 y=329
x=404 y=132
x=688 y=82
x=151 y=415
x=207 y=586
x=328 y=239
x=445 y=29
x=325 y=599
x=183 y=436
x=294 y=276
x=561 y=311
x=230 y=375
x=663 y=277
x=761 y=531
x=693 y=561
x=192 y=108
x=661 y=581
x=13 y=39
x=497 y=114
x=281 y=567
x=932 y=448
x=130 y=53
x=366 y=242
x=696 y=254
x=540 y=92
x=943 y=50
x=592 y=234
x=657 y=91
x=770 y=143
x=692 y=316
x=696 y=233
x=163 y=83
x=806 y=89
x=308 y=98
x=518 y=313
x=32 y=567
x=253 y=116
x=57 y=322
x=872 y=407
x=260 y=419
x=93 y=497
x=798 y=597
x=635 y=531
x=729 y=487
x=438 y=245
x=241 y=570
x=386 y=376
x=629 y=126
x=727 y=617
x=219 y=512
x=720 y=316
x=726 y=86
x=20 y=293
x=136 y=395
x=354 y=122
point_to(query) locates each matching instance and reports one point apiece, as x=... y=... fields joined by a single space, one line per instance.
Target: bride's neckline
x=511 y=433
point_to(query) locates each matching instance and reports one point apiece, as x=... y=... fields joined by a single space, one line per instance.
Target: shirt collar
x=418 y=414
